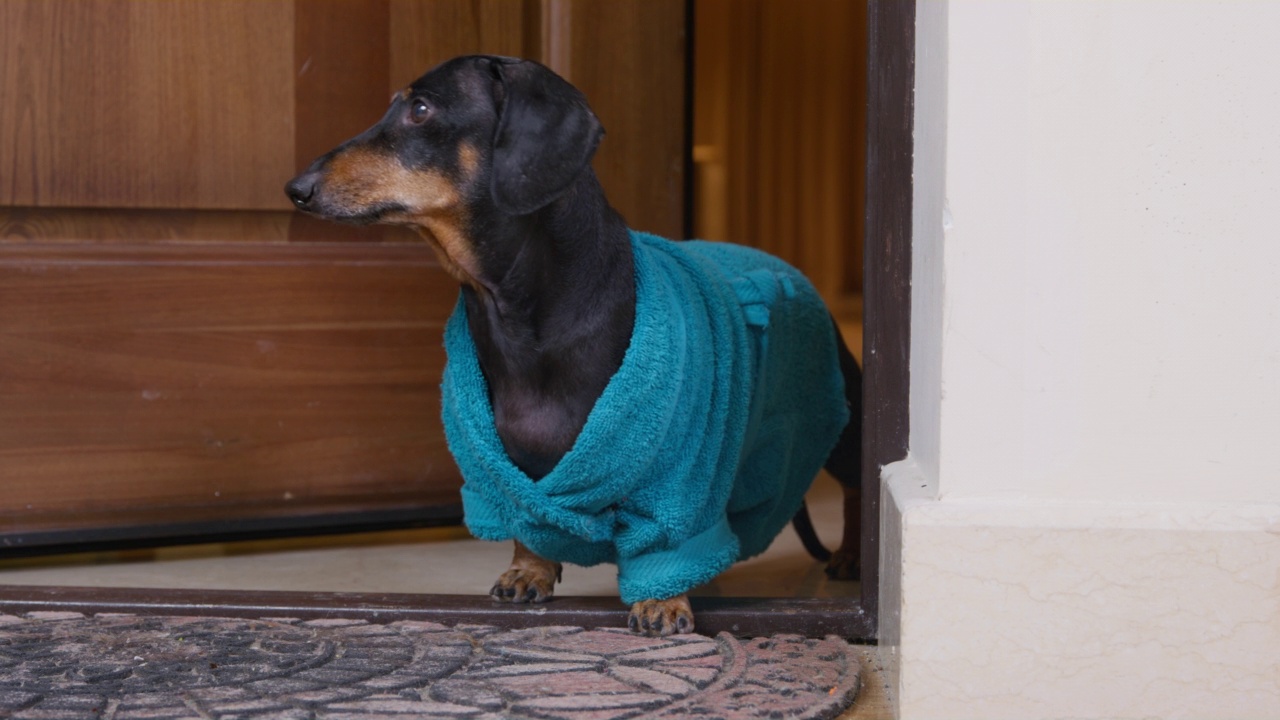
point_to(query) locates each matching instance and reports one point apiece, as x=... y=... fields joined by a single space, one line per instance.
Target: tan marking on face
x=469 y=160
x=452 y=250
x=359 y=179
x=405 y=93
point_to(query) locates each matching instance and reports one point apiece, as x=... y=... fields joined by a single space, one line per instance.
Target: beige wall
x=1089 y=522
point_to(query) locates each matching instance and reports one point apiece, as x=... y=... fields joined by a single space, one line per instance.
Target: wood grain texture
x=425 y=33
x=109 y=225
x=340 y=61
x=340 y=58
x=112 y=103
x=780 y=132
x=628 y=57
x=162 y=382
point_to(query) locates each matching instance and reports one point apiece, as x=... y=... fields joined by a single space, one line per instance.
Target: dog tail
x=809 y=536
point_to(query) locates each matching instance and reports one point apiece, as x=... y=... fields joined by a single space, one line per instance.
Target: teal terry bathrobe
x=702 y=445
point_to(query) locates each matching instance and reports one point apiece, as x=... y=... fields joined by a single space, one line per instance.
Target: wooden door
x=183 y=355
x=780 y=134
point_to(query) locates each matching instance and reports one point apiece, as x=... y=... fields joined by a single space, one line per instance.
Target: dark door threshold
x=744 y=617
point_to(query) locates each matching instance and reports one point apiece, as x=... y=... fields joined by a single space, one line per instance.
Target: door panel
x=144 y=382
x=180 y=353
x=781 y=133
x=425 y=33
x=629 y=58
x=128 y=226
x=128 y=104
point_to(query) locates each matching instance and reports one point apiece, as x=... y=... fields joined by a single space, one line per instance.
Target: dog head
x=476 y=142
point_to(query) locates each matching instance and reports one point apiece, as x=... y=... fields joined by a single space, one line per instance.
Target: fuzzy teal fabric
x=702 y=445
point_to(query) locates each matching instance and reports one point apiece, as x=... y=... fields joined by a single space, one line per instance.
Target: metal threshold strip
x=744 y=617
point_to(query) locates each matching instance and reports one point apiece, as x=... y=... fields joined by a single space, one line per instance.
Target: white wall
x=1088 y=524
x=929 y=222
x=1112 y=269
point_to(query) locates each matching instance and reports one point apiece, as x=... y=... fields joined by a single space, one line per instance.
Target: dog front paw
x=520 y=586
x=659 y=618
x=529 y=579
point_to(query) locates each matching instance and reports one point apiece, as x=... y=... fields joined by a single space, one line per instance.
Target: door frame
x=886 y=339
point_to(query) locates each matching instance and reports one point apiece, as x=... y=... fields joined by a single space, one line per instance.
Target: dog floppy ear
x=545 y=138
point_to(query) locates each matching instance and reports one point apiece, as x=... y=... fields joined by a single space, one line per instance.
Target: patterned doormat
x=72 y=665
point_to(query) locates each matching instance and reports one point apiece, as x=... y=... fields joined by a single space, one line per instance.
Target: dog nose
x=301 y=189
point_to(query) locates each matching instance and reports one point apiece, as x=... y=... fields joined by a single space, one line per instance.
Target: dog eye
x=419 y=111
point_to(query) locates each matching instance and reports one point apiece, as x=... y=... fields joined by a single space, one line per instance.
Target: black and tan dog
x=488 y=158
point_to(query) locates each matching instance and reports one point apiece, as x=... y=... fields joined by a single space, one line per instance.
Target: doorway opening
x=245 y=475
